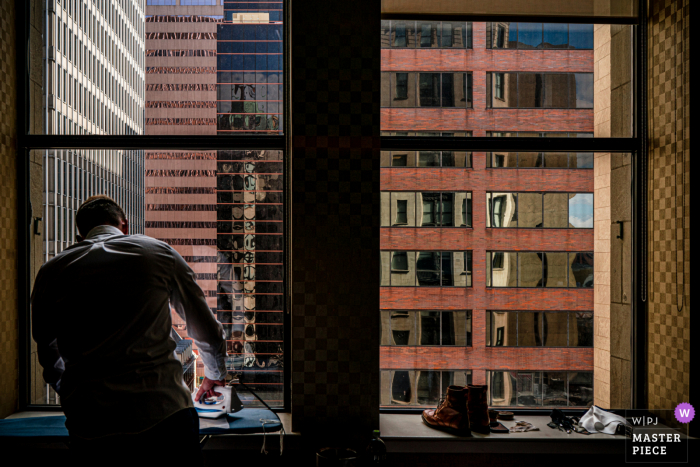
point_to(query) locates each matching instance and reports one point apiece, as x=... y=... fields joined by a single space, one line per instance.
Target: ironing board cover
x=246 y=421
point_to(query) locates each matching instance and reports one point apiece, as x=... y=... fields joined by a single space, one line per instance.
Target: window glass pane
x=459 y=325
x=403 y=328
x=385 y=326
x=555 y=270
x=449 y=328
x=503 y=210
x=449 y=209
x=449 y=269
x=504 y=329
x=429 y=387
x=555 y=389
x=465 y=214
x=556 y=36
x=428 y=208
x=530 y=210
x=400 y=32
x=504 y=267
x=530 y=159
x=529 y=329
x=386 y=34
x=427 y=34
x=402 y=268
x=580 y=388
x=385 y=269
x=429 y=328
x=556 y=210
x=529 y=388
x=530 y=269
x=581 y=210
x=446 y=39
x=401 y=88
x=428 y=268
x=467 y=268
x=402 y=387
x=556 y=90
x=429 y=88
x=386 y=209
x=555 y=329
x=448 y=89
x=530 y=90
x=503 y=385
x=581 y=272
x=581 y=329
x=583 y=89
x=529 y=35
x=403 y=209
x=429 y=159
x=580 y=36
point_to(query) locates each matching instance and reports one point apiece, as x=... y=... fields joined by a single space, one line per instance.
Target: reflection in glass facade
x=549 y=389
x=539 y=210
x=539 y=329
x=426 y=268
x=539 y=269
x=429 y=209
x=419 y=388
x=413 y=328
x=222 y=210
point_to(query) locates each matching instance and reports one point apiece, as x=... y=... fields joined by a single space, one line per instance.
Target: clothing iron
x=215 y=407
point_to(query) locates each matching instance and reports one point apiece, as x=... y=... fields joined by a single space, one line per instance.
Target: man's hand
x=206 y=389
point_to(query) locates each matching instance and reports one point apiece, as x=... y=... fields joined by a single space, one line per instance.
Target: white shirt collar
x=103 y=230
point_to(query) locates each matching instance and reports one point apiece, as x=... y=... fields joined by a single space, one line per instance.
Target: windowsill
x=407 y=433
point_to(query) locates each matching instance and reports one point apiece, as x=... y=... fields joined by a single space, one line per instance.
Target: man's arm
x=190 y=304
x=44 y=328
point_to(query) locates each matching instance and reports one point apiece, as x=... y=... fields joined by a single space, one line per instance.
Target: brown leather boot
x=478 y=408
x=451 y=415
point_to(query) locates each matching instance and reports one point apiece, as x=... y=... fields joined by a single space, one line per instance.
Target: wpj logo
x=652 y=441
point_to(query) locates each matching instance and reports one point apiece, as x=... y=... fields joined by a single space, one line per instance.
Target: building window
x=539 y=328
x=528 y=90
x=426 y=268
x=419 y=388
x=401 y=86
x=525 y=388
x=543 y=160
x=526 y=36
x=530 y=269
x=411 y=89
x=540 y=210
x=426 y=34
x=426 y=328
x=426 y=209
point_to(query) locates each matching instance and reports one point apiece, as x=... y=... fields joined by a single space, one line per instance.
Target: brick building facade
x=554 y=372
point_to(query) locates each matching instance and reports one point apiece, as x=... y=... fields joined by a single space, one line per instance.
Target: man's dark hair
x=98 y=210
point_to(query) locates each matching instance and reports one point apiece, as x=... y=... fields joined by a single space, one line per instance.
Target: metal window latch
x=37 y=221
x=622 y=229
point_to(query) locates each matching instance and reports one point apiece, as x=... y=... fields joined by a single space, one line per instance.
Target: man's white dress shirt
x=101 y=322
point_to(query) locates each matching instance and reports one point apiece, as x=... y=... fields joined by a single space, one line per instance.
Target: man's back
x=105 y=301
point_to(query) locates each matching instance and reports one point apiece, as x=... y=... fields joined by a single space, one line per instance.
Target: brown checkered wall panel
x=335 y=217
x=8 y=213
x=669 y=191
